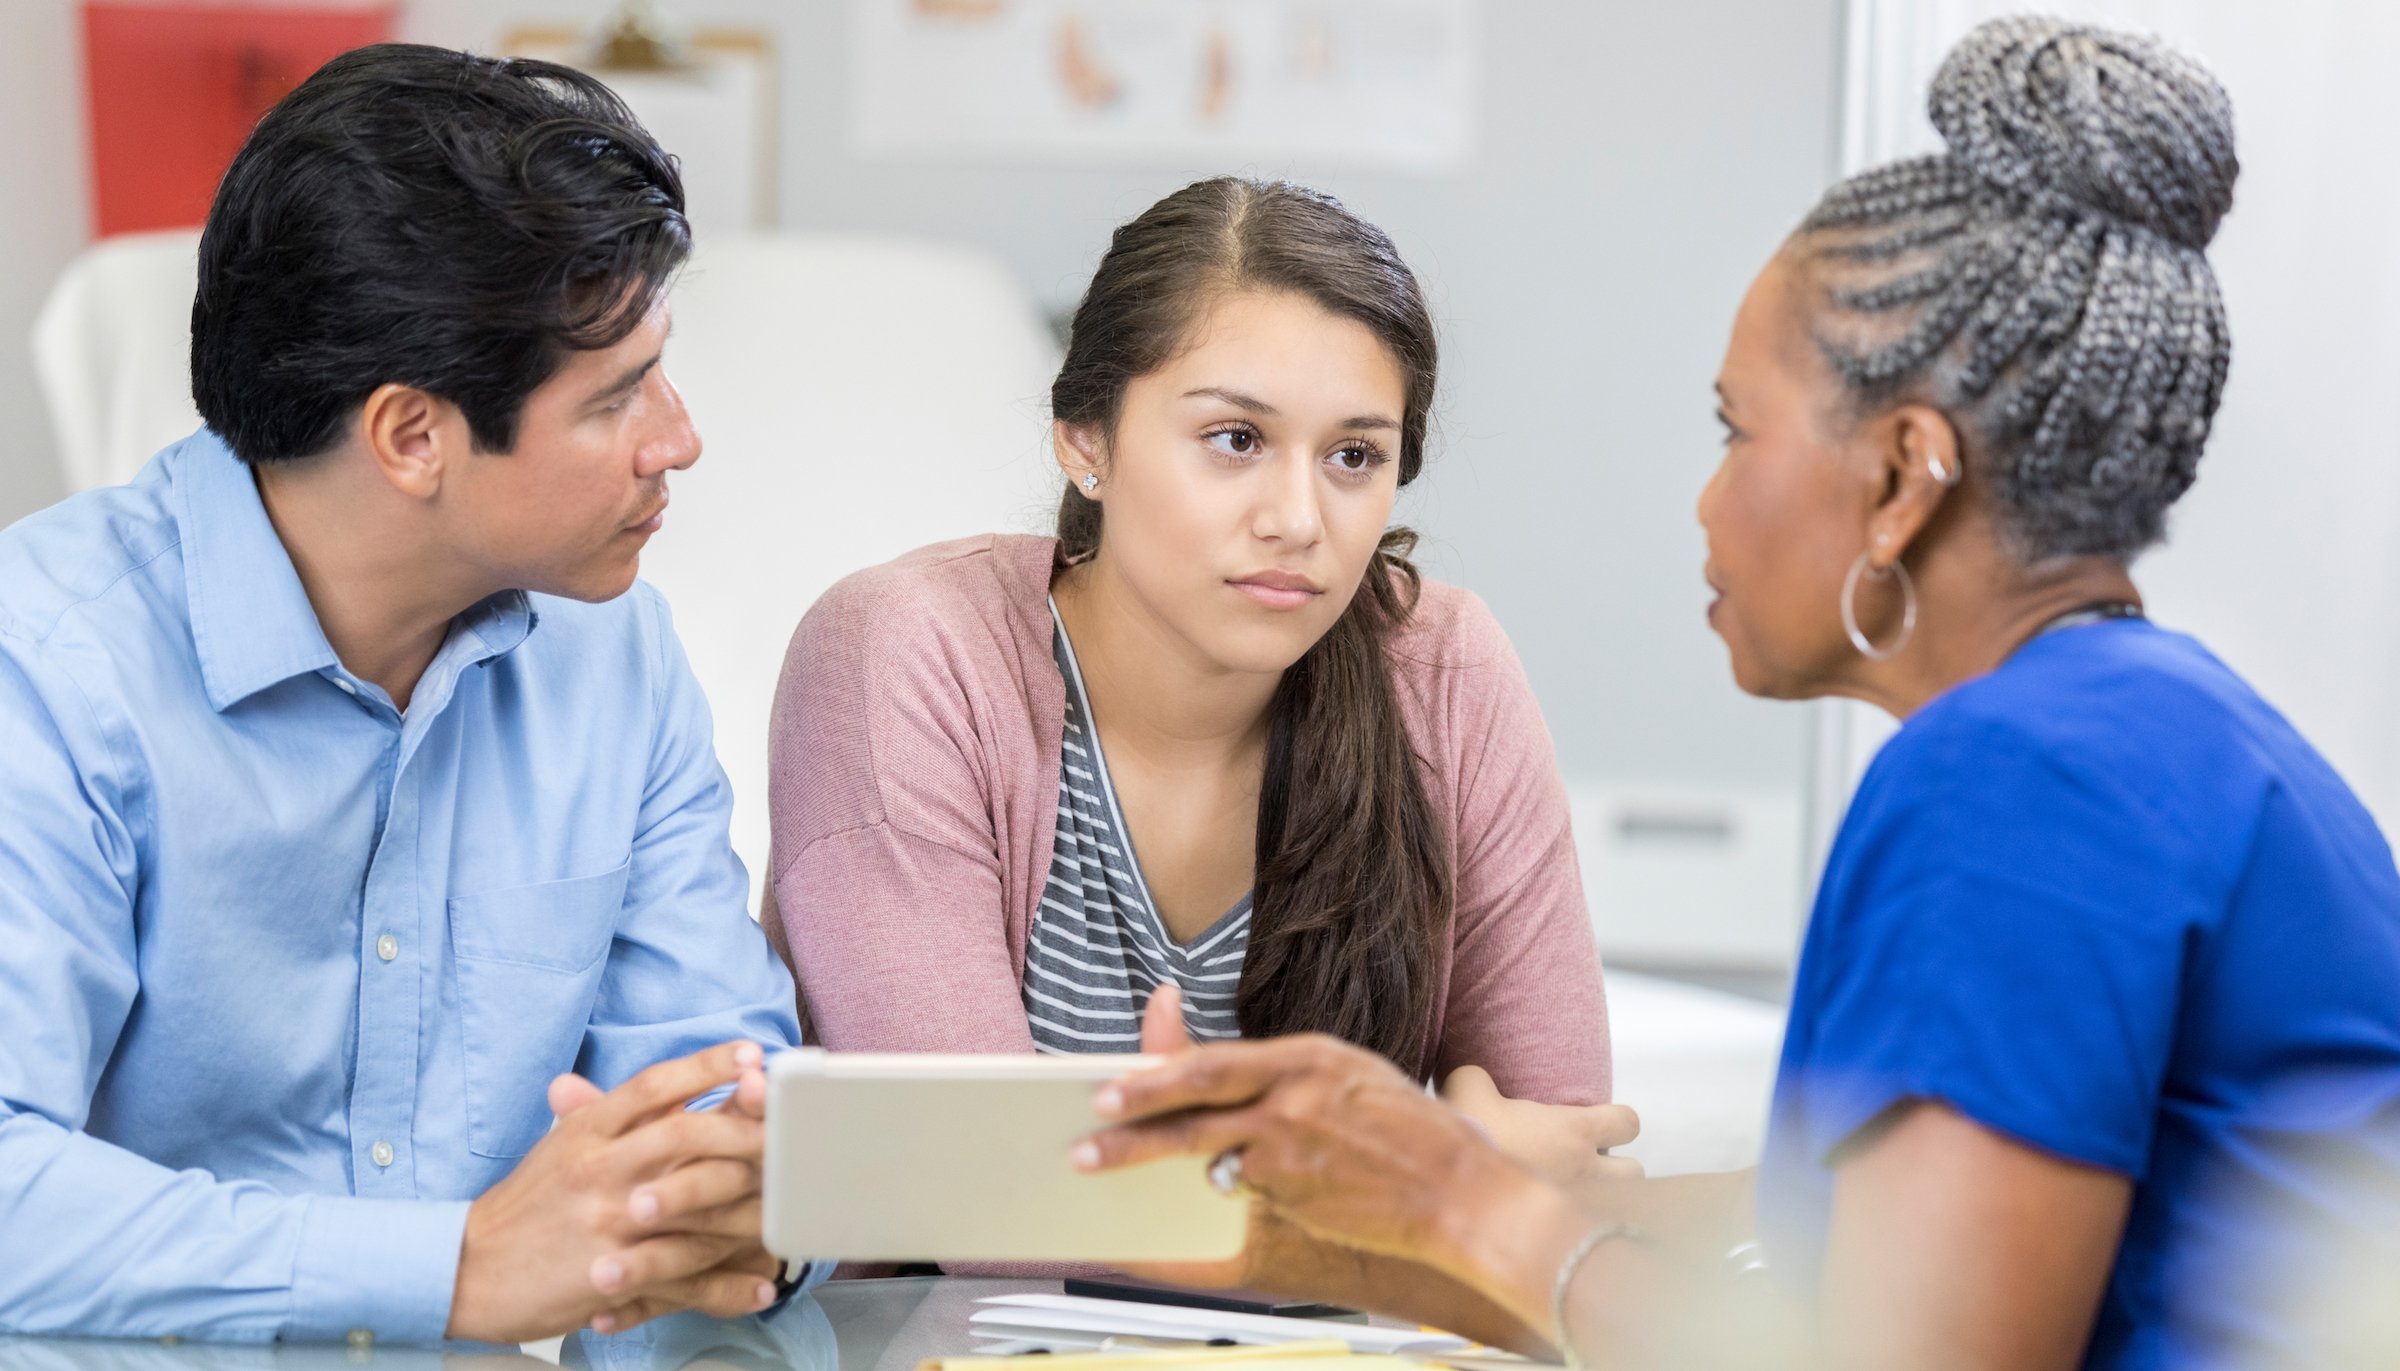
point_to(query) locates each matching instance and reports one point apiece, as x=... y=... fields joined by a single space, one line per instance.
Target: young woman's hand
x=1164 y=1035
x=1566 y=1144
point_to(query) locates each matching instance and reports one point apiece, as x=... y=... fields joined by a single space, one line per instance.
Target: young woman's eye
x=1357 y=459
x=1239 y=441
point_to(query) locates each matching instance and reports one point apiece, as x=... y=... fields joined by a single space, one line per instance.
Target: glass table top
x=862 y=1325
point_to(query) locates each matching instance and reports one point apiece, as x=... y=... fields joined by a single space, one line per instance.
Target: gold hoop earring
x=1908 y=609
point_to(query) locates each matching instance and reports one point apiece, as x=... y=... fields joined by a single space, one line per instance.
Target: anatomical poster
x=1387 y=83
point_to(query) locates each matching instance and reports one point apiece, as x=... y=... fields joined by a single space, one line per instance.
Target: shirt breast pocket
x=529 y=963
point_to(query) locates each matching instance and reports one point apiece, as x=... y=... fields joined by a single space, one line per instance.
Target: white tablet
x=898 y=1157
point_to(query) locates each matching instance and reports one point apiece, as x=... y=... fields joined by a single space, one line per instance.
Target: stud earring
x=1089 y=483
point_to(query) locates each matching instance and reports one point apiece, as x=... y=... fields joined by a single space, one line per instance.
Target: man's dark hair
x=416 y=216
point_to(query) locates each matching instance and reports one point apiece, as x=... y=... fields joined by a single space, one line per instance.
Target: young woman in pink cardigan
x=1346 y=810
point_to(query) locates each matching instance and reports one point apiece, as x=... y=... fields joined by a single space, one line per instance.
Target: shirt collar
x=501 y=623
x=252 y=624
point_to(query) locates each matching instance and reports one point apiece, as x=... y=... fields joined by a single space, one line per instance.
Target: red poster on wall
x=176 y=88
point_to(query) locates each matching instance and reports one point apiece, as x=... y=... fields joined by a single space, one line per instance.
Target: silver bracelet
x=1605 y=1233
x=1747 y=1259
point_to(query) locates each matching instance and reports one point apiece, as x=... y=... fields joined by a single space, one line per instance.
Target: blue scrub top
x=2105 y=901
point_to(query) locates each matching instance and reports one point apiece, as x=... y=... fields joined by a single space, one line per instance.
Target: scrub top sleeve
x=2009 y=935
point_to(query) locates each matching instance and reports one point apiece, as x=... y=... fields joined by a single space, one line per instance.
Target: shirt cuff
x=387 y=1267
x=805 y=1276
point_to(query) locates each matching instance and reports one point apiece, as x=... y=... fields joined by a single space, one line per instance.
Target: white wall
x=42 y=124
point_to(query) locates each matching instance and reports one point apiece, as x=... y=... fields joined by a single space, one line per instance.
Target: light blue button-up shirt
x=284 y=972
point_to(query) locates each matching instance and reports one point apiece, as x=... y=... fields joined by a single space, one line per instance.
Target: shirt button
x=387 y=947
x=344 y=686
x=382 y=1153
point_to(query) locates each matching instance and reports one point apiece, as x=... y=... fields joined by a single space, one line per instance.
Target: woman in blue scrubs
x=2094 y=1052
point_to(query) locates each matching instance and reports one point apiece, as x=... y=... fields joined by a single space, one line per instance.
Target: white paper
x=1024 y=1314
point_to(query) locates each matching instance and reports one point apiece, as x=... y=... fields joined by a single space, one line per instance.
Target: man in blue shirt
x=358 y=811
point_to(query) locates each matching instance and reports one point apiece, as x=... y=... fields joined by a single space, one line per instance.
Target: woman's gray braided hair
x=2043 y=280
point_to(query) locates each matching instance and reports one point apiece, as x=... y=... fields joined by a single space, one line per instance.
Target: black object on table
x=1222 y=1301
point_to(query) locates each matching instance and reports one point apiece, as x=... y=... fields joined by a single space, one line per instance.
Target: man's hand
x=716 y=1195
x=564 y=1241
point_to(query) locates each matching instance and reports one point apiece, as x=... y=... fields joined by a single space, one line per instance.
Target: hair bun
x=2105 y=121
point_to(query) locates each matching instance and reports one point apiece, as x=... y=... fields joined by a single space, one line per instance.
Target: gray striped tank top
x=1098 y=947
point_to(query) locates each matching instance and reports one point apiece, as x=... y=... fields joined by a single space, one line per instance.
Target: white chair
x=856 y=398
x=112 y=350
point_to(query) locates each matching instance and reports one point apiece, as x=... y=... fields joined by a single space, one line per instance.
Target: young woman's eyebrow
x=1234 y=398
x=1254 y=405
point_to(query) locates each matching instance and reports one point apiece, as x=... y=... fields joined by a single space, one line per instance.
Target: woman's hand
x=1563 y=1143
x=1332 y=1137
x=1366 y=1190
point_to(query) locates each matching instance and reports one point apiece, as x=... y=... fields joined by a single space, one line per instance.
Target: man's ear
x=1921 y=464
x=413 y=436
x=1077 y=450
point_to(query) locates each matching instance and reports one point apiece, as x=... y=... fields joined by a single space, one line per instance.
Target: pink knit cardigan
x=914 y=789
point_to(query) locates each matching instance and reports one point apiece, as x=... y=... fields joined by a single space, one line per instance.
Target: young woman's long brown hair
x=1352 y=896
